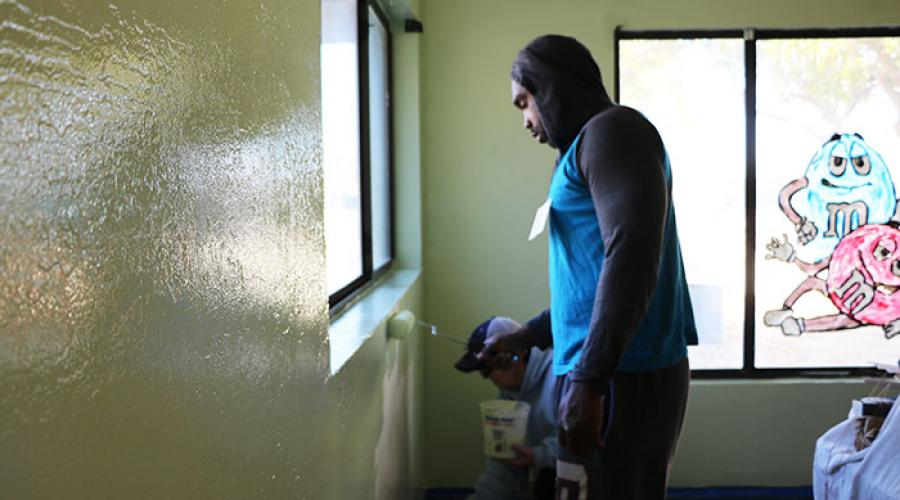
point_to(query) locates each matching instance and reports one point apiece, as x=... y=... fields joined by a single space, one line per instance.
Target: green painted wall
x=483 y=177
x=407 y=147
x=163 y=314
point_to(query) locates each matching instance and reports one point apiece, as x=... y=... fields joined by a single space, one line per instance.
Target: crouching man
x=528 y=378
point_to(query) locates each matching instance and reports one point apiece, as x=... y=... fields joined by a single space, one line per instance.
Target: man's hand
x=580 y=418
x=500 y=351
x=524 y=457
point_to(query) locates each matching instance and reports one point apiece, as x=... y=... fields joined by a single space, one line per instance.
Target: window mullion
x=750 y=151
x=391 y=153
x=364 y=140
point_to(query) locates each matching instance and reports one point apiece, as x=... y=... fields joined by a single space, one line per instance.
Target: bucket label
x=504 y=424
x=500 y=421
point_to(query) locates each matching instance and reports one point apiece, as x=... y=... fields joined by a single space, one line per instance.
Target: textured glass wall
x=162 y=295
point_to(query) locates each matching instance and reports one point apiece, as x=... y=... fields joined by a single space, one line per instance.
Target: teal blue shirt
x=576 y=260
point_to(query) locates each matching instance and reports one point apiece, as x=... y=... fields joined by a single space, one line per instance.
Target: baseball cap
x=496 y=326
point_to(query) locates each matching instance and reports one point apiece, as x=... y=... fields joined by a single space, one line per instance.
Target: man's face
x=508 y=379
x=524 y=101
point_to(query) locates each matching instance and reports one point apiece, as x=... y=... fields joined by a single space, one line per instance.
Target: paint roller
x=400 y=324
x=435 y=333
x=456 y=340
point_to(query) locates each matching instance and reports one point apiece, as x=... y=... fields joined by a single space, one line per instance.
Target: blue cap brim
x=468 y=363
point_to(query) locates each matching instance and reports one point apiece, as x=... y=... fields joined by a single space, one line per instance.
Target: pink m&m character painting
x=863 y=282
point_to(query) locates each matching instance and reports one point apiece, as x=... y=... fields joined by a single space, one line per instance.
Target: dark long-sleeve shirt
x=640 y=315
x=623 y=165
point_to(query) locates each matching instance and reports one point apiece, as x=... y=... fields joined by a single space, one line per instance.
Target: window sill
x=356 y=322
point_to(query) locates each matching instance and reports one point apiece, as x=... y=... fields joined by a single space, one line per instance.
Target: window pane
x=693 y=91
x=808 y=90
x=379 y=140
x=340 y=143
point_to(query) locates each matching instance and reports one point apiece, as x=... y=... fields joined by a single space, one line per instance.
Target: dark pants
x=544 y=487
x=646 y=411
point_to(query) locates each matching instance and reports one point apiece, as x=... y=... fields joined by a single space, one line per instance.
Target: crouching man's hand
x=524 y=457
x=501 y=351
x=580 y=418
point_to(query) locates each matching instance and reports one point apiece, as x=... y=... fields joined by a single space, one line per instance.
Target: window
x=763 y=185
x=356 y=138
x=380 y=137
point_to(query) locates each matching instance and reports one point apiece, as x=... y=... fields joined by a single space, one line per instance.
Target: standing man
x=619 y=306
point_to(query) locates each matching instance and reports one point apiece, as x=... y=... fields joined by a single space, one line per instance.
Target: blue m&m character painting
x=846 y=185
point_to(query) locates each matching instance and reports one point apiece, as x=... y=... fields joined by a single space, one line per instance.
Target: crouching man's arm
x=546 y=452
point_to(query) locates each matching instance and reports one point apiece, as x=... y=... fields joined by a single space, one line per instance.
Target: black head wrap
x=565 y=82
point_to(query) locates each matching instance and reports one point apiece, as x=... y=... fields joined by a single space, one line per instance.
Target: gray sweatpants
x=646 y=412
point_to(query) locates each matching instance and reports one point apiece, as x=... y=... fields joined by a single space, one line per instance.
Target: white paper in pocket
x=540 y=220
x=571 y=481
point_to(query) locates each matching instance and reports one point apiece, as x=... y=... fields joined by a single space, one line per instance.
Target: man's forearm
x=540 y=330
x=616 y=320
x=623 y=295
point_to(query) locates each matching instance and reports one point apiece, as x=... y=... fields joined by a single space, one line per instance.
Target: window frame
x=342 y=297
x=750 y=36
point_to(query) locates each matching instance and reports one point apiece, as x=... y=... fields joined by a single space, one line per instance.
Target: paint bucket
x=504 y=425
